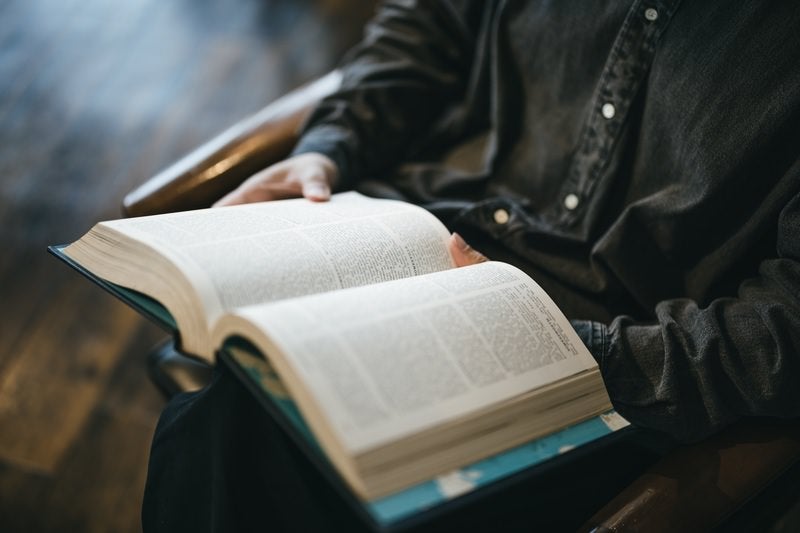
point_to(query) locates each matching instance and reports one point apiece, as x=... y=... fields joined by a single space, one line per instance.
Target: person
x=638 y=159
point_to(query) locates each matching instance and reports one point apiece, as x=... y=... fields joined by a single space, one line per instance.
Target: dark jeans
x=219 y=463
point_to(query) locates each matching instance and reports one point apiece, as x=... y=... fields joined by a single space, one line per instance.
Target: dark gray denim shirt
x=641 y=160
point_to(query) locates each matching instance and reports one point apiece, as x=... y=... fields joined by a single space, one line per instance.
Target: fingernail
x=316 y=190
x=461 y=243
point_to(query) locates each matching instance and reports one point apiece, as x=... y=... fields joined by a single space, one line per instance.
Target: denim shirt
x=640 y=159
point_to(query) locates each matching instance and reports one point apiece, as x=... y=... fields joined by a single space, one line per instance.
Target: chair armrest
x=221 y=164
x=696 y=487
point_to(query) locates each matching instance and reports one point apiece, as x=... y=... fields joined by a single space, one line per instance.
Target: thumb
x=462 y=253
x=316 y=188
x=315 y=177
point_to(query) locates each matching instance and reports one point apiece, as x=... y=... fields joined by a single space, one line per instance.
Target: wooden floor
x=95 y=96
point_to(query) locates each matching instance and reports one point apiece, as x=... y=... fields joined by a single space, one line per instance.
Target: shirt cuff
x=595 y=336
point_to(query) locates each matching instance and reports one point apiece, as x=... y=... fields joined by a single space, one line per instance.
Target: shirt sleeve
x=696 y=369
x=415 y=59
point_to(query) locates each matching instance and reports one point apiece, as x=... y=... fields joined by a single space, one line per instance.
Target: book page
x=241 y=255
x=389 y=360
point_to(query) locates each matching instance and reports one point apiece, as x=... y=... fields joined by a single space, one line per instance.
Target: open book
x=403 y=366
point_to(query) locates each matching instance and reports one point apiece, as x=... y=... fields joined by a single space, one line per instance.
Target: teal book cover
x=262 y=380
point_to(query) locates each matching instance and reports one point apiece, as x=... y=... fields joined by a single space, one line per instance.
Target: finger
x=249 y=195
x=310 y=175
x=261 y=187
x=232 y=198
x=313 y=177
x=315 y=187
x=462 y=253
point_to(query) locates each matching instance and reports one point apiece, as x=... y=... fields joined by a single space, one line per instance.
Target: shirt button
x=650 y=14
x=501 y=216
x=608 y=110
x=571 y=201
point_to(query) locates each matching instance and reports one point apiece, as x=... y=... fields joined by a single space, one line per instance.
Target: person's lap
x=219 y=463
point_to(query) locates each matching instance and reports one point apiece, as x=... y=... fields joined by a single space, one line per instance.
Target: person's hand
x=462 y=253
x=310 y=175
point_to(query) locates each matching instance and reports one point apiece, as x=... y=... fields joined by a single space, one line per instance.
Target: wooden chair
x=695 y=487
x=222 y=163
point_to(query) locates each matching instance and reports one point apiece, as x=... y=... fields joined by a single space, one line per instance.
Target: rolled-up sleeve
x=414 y=61
x=695 y=369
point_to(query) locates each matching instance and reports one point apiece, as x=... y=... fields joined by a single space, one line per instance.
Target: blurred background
x=95 y=97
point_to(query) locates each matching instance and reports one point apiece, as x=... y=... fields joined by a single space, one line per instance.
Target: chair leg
x=173 y=372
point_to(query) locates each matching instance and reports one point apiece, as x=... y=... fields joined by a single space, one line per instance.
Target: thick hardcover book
x=405 y=507
x=415 y=383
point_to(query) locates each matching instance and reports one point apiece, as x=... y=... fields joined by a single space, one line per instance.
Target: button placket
x=626 y=67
